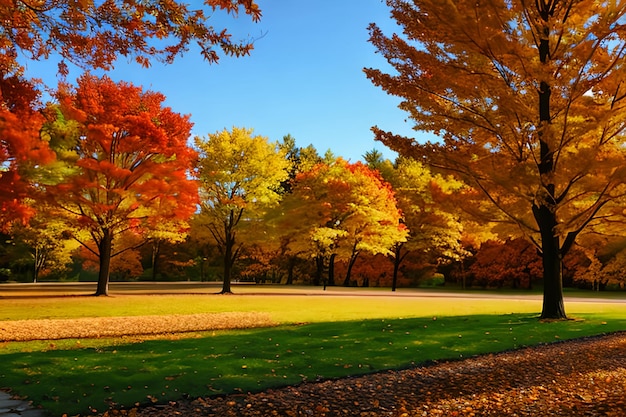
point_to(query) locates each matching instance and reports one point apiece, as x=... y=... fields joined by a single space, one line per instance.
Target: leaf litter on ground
x=581 y=377
x=99 y=327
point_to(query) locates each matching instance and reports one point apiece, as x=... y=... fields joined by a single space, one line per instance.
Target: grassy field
x=327 y=335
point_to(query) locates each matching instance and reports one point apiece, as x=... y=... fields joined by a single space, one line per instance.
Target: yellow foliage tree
x=240 y=177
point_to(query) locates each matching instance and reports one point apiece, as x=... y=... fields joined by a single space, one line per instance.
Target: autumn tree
x=374 y=224
x=167 y=231
x=612 y=272
x=50 y=246
x=240 y=178
x=125 y=265
x=375 y=160
x=512 y=263
x=337 y=211
x=435 y=231
x=128 y=163
x=528 y=99
x=301 y=159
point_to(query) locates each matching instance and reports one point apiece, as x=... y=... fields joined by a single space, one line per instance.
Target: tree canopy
x=339 y=210
x=21 y=148
x=89 y=34
x=528 y=99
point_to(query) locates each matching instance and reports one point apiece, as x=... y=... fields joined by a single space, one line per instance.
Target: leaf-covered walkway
x=585 y=377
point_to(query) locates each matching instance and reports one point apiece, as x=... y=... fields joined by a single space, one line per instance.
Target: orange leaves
x=94 y=35
x=21 y=148
x=513 y=263
x=132 y=158
x=342 y=209
x=526 y=99
x=231 y=6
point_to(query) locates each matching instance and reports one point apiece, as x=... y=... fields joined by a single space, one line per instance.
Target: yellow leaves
x=243 y=169
x=342 y=209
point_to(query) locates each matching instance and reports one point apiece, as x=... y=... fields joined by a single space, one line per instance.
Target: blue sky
x=303 y=78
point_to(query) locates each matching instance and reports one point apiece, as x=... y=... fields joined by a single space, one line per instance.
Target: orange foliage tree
x=127 y=165
x=528 y=97
x=20 y=147
x=339 y=210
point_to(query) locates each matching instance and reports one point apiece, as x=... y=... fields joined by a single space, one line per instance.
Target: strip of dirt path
x=585 y=377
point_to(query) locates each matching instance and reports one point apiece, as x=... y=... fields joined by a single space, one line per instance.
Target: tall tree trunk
x=545 y=209
x=553 y=306
x=228 y=261
x=397 y=261
x=104 y=248
x=351 y=262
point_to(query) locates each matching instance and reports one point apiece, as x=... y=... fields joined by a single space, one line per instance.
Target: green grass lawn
x=319 y=337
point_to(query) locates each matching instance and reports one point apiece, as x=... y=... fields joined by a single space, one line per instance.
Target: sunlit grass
x=317 y=307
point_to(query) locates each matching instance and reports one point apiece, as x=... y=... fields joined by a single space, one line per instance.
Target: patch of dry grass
x=97 y=327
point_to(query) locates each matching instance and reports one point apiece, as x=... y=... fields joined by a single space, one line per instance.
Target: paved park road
x=60 y=289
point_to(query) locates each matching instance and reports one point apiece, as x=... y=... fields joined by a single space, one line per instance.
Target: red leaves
x=21 y=148
x=511 y=263
x=95 y=35
x=132 y=154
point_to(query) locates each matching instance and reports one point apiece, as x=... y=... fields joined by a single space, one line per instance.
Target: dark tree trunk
x=319 y=270
x=351 y=262
x=291 y=264
x=104 y=247
x=396 y=268
x=544 y=210
x=553 y=306
x=331 y=270
x=230 y=251
x=156 y=251
x=397 y=261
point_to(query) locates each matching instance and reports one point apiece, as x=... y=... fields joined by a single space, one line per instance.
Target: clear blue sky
x=304 y=78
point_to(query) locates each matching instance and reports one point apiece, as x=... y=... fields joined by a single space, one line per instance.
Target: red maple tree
x=130 y=162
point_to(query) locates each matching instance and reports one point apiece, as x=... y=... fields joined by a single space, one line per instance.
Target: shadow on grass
x=87 y=380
